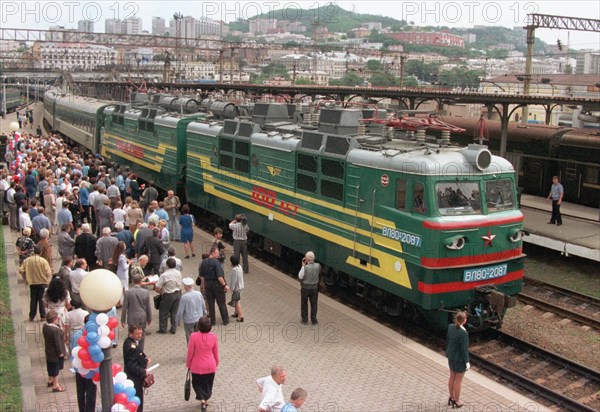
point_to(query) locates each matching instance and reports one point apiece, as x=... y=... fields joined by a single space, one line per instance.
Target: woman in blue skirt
x=186 y=221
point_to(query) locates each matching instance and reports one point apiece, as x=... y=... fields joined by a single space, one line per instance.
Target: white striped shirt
x=240 y=231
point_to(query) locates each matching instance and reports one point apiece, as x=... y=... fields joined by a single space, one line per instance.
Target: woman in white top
x=56 y=297
x=122 y=264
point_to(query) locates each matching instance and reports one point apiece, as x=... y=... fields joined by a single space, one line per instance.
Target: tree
x=304 y=81
x=462 y=77
x=374 y=65
x=350 y=79
x=410 y=81
x=383 y=80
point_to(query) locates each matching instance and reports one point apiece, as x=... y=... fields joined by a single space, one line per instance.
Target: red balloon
x=112 y=322
x=87 y=364
x=83 y=354
x=95 y=365
x=116 y=368
x=121 y=398
x=82 y=341
x=111 y=335
x=131 y=406
x=84 y=332
x=96 y=377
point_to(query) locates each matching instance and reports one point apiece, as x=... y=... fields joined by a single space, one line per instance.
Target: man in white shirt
x=271 y=388
x=76 y=276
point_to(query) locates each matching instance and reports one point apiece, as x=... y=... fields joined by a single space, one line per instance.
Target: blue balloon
x=98 y=357
x=92 y=317
x=77 y=335
x=130 y=392
x=119 y=388
x=91 y=326
x=135 y=400
x=94 y=349
x=92 y=337
x=90 y=375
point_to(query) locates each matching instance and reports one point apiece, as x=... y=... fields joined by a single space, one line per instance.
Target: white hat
x=188 y=281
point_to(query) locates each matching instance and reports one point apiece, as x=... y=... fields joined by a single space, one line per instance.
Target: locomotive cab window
x=401 y=194
x=499 y=195
x=458 y=198
x=419 y=198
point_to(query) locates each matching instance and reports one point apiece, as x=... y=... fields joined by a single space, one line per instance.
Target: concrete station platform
x=348 y=362
x=579 y=235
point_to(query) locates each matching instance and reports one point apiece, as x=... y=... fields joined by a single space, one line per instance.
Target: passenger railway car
x=539 y=152
x=409 y=226
x=78 y=118
x=14 y=98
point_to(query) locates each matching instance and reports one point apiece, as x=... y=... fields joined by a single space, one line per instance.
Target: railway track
x=562 y=302
x=565 y=383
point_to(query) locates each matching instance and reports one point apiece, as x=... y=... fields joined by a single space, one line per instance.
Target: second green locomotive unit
x=410 y=224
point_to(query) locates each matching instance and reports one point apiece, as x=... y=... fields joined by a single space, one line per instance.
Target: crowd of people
x=103 y=217
x=98 y=216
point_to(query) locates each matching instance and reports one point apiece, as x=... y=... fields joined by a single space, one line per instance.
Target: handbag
x=148 y=380
x=157 y=300
x=187 y=388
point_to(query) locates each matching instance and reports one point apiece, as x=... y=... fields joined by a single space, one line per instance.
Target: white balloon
x=83 y=371
x=100 y=290
x=103 y=330
x=75 y=351
x=121 y=377
x=128 y=383
x=102 y=319
x=77 y=363
x=117 y=407
x=104 y=342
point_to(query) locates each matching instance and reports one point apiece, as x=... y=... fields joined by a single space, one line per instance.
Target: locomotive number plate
x=490 y=272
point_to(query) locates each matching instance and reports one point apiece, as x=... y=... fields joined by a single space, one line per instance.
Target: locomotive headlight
x=455 y=242
x=516 y=235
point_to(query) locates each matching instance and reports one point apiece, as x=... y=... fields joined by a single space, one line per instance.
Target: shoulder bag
x=148 y=380
x=187 y=388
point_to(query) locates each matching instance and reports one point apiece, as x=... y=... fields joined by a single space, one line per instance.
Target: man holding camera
x=240 y=230
x=309 y=287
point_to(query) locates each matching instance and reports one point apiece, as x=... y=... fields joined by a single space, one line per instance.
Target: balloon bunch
x=97 y=334
x=125 y=395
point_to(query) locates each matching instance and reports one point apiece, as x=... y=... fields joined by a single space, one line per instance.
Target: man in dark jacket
x=154 y=248
x=85 y=246
x=136 y=362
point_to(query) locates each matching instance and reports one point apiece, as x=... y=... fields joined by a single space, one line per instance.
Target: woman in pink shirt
x=203 y=360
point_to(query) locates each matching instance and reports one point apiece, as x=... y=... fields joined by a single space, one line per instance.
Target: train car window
x=307 y=162
x=227 y=145
x=592 y=175
x=242 y=165
x=332 y=168
x=458 y=198
x=419 y=198
x=242 y=148
x=333 y=190
x=307 y=183
x=226 y=161
x=499 y=195
x=312 y=140
x=401 y=194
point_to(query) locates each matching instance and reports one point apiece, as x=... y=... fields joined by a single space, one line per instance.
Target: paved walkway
x=346 y=363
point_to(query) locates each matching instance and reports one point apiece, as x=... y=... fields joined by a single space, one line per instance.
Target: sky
x=511 y=13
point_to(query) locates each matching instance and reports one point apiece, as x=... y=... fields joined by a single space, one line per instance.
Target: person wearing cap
x=136 y=308
x=191 y=307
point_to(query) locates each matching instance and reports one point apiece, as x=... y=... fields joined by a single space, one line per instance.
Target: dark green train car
x=406 y=226
x=14 y=98
x=153 y=143
x=78 y=118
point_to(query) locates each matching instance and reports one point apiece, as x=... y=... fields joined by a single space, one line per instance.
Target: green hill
x=331 y=16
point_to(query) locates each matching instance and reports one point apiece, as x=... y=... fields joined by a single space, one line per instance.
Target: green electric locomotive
x=409 y=225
